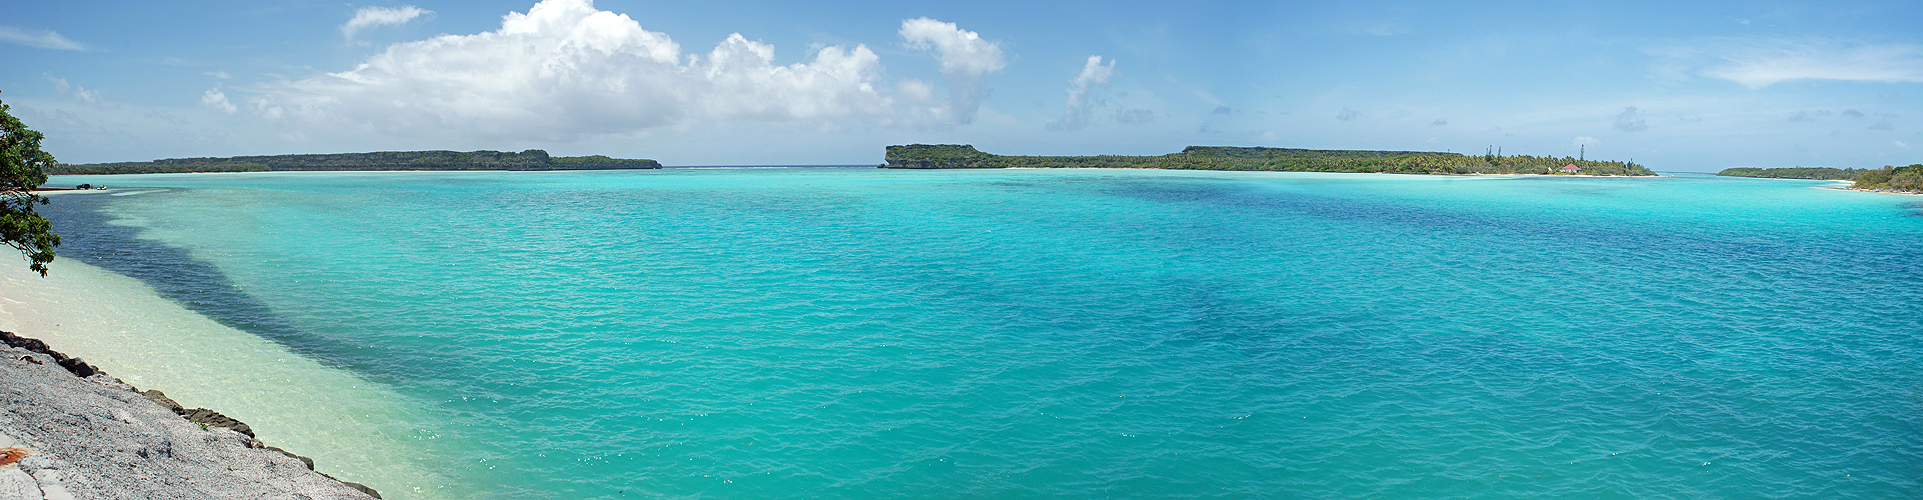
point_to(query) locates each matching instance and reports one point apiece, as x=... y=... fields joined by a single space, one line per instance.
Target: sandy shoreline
x=1839 y=188
x=353 y=429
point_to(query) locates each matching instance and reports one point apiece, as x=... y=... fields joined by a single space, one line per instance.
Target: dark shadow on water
x=198 y=286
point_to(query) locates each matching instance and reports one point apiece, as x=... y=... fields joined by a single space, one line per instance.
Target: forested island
x=533 y=159
x=942 y=156
x=1898 y=179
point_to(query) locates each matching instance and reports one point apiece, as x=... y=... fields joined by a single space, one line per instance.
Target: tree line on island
x=533 y=159
x=942 y=156
x=1889 y=178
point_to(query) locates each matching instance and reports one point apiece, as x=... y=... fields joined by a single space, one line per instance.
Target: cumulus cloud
x=38 y=39
x=965 y=59
x=1584 y=141
x=379 y=16
x=1075 y=114
x=1630 y=121
x=216 y=99
x=1439 y=122
x=1900 y=144
x=565 y=69
x=1883 y=124
x=1757 y=63
x=1851 y=113
x=217 y=74
x=1348 y=114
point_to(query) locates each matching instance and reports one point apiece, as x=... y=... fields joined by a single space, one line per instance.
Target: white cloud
x=1758 y=63
x=90 y=96
x=1630 y=121
x=1584 y=141
x=745 y=83
x=38 y=39
x=218 y=100
x=965 y=59
x=379 y=16
x=961 y=51
x=81 y=94
x=218 y=74
x=1075 y=115
x=565 y=69
x=1900 y=144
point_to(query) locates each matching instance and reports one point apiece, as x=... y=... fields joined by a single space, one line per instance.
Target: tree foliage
x=1817 y=173
x=533 y=159
x=1268 y=159
x=1903 y=179
x=1906 y=179
x=22 y=168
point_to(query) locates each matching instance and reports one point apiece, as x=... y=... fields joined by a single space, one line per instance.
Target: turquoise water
x=867 y=333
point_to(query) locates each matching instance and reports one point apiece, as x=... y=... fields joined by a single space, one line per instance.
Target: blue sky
x=1678 y=86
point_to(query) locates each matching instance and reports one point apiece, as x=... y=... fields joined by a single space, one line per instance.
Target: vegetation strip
x=533 y=159
x=1897 y=179
x=945 y=156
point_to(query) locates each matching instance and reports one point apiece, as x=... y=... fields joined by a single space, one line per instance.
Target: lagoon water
x=867 y=333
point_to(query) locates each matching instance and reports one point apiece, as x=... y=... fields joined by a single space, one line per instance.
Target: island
x=949 y=156
x=1889 y=179
x=533 y=159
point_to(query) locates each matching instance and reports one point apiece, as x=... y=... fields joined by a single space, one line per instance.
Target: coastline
x=1843 y=188
x=354 y=430
x=1412 y=174
x=79 y=432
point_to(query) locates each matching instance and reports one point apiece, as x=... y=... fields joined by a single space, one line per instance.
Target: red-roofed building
x=1571 y=168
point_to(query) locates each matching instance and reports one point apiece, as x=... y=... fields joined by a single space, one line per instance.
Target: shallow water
x=1074 y=333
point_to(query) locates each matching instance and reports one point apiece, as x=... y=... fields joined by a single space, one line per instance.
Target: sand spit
x=96 y=437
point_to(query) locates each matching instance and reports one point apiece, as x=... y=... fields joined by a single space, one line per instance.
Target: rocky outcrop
x=94 y=436
x=75 y=365
x=932 y=156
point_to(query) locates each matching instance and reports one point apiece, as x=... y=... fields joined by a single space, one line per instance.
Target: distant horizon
x=871 y=164
x=1689 y=86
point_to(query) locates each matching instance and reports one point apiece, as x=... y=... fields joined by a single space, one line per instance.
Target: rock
x=215 y=419
x=97 y=437
x=161 y=397
x=75 y=365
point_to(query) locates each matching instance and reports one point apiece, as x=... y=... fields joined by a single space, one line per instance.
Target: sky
x=1676 y=86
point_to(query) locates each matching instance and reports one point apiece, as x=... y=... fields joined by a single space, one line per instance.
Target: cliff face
x=938 y=156
x=533 y=159
x=597 y=162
